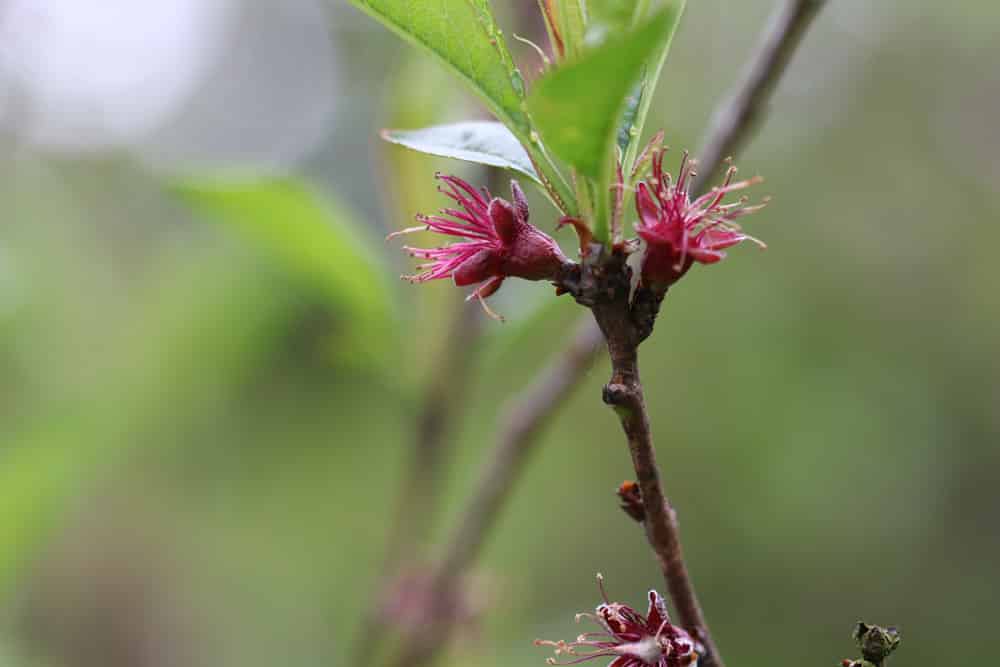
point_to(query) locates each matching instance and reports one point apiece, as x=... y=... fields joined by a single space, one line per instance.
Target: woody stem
x=624 y=394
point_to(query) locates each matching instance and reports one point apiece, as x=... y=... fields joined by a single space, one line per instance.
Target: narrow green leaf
x=633 y=126
x=577 y=107
x=481 y=142
x=606 y=17
x=463 y=35
x=574 y=26
x=626 y=130
x=317 y=240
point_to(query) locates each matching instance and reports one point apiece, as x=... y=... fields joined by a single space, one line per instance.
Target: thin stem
x=734 y=120
x=417 y=503
x=624 y=393
x=525 y=419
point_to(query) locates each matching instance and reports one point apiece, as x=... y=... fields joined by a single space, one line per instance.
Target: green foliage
x=634 y=118
x=572 y=15
x=481 y=142
x=578 y=107
x=608 y=17
x=36 y=477
x=318 y=241
x=464 y=36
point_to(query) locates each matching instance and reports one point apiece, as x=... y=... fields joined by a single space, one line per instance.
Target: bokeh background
x=210 y=379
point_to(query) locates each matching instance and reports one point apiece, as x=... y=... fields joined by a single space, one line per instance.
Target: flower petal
x=476 y=268
x=520 y=201
x=504 y=222
x=649 y=212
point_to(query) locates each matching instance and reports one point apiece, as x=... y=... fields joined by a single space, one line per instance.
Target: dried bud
x=876 y=643
x=631 y=500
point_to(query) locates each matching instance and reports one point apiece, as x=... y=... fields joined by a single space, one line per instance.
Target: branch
x=624 y=393
x=523 y=422
x=734 y=120
x=732 y=124
x=441 y=404
x=417 y=502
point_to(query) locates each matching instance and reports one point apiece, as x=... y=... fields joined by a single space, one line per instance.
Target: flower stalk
x=624 y=393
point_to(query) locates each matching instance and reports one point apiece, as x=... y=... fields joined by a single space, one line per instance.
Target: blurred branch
x=416 y=504
x=441 y=404
x=732 y=123
x=524 y=420
x=735 y=119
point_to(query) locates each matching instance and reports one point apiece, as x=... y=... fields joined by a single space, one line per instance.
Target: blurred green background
x=209 y=378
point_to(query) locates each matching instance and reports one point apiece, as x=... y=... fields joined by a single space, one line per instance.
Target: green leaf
x=605 y=17
x=463 y=35
x=39 y=472
x=632 y=126
x=626 y=129
x=316 y=240
x=577 y=107
x=482 y=142
x=574 y=28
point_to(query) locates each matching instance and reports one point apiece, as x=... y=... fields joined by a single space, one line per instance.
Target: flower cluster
x=495 y=241
x=678 y=231
x=630 y=639
x=498 y=241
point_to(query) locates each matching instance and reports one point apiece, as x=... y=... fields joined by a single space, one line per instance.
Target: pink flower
x=498 y=241
x=630 y=639
x=678 y=231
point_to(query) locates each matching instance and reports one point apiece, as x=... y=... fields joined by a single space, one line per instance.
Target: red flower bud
x=498 y=241
x=678 y=231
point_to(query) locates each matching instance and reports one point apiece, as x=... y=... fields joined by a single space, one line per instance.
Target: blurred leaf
x=627 y=128
x=637 y=108
x=463 y=34
x=37 y=473
x=314 y=239
x=572 y=16
x=609 y=16
x=577 y=107
x=481 y=142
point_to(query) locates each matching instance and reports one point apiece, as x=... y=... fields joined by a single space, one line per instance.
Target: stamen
x=681 y=172
x=487 y=309
x=545 y=59
x=600 y=584
x=408 y=230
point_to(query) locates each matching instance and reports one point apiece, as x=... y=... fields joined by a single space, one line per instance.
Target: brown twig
x=523 y=421
x=732 y=123
x=624 y=393
x=734 y=120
